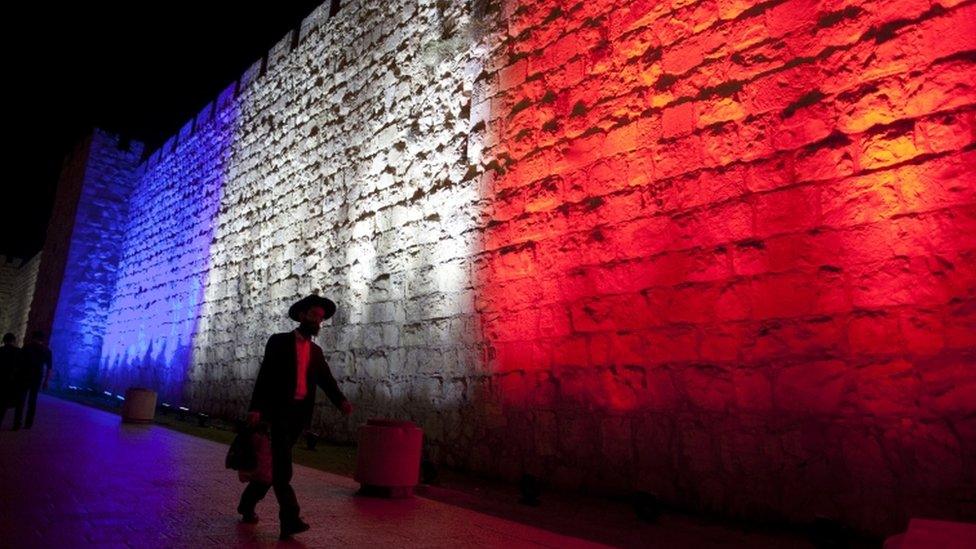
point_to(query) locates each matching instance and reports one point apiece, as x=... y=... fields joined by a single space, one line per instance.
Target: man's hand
x=253 y=418
x=346 y=408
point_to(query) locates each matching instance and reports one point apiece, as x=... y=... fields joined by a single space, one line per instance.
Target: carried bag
x=241 y=454
x=261 y=471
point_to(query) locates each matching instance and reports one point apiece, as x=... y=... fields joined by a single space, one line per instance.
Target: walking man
x=284 y=396
x=38 y=364
x=11 y=380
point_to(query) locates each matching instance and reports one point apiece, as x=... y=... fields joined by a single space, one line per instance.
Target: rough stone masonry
x=716 y=250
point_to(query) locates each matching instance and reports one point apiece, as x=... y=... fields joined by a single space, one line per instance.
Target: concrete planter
x=139 y=405
x=388 y=458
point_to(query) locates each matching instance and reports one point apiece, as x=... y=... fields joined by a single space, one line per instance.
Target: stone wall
x=730 y=259
x=9 y=268
x=164 y=257
x=716 y=250
x=57 y=239
x=92 y=259
x=17 y=280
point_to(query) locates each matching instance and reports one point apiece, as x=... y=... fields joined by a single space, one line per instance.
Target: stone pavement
x=80 y=478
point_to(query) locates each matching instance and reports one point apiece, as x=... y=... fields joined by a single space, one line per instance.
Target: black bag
x=242 y=455
x=262 y=472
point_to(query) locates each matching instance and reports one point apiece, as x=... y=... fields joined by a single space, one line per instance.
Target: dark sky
x=136 y=68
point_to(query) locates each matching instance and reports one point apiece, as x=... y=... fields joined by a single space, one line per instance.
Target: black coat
x=274 y=389
x=38 y=359
x=12 y=374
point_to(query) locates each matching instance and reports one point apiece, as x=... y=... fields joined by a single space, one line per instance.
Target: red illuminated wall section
x=731 y=256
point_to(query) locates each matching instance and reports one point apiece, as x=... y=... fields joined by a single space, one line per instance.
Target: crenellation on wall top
x=313 y=21
x=275 y=56
x=105 y=138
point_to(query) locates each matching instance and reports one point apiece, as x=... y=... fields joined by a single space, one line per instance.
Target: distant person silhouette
x=11 y=380
x=284 y=396
x=38 y=364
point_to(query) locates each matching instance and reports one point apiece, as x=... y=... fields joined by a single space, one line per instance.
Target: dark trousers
x=18 y=404
x=21 y=398
x=285 y=430
x=31 y=405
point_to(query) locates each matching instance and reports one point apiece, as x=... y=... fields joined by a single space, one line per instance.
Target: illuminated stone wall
x=17 y=280
x=92 y=260
x=731 y=256
x=716 y=250
x=347 y=174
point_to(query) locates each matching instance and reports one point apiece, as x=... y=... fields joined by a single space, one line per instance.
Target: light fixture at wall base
x=826 y=532
x=428 y=471
x=531 y=489
x=311 y=439
x=646 y=506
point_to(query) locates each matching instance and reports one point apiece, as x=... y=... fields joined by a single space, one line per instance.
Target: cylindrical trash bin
x=388 y=457
x=139 y=405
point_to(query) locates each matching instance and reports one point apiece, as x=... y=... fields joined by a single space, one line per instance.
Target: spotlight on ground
x=203 y=419
x=646 y=506
x=311 y=440
x=165 y=408
x=827 y=533
x=428 y=471
x=181 y=412
x=531 y=489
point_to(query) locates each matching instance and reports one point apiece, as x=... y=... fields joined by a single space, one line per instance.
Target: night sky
x=134 y=68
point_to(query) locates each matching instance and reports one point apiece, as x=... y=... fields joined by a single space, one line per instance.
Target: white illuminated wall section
x=346 y=177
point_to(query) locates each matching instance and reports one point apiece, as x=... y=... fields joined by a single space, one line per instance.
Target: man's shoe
x=249 y=518
x=290 y=528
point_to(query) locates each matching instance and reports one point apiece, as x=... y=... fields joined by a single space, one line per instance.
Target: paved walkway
x=80 y=478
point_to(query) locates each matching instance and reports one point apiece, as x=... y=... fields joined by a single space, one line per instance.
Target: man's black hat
x=308 y=302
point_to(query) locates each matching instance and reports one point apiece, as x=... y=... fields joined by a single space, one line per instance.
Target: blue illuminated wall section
x=92 y=256
x=165 y=260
